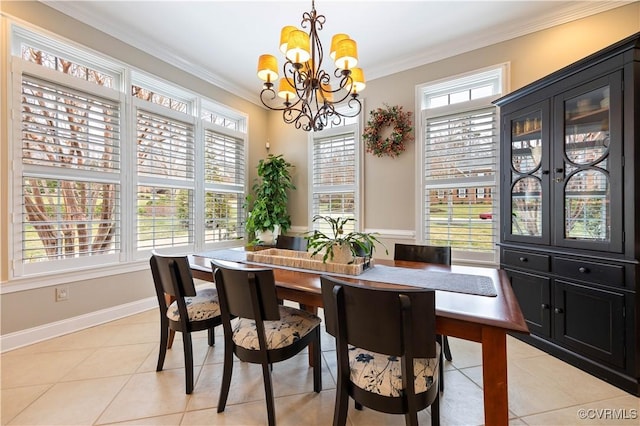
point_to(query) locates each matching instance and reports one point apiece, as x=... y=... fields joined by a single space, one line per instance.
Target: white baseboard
x=37 y=334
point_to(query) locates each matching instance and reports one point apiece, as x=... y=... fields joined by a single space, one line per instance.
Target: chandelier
x=310 y=99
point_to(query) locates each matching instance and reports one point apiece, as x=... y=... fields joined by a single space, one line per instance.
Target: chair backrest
x=416 y=253
x=246 y=292
x=172 y=275
x=291 y=243
x=385 y=321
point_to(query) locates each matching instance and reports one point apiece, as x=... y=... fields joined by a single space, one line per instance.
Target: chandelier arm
x=343 y=98
x=354 y=100
x=292 y=116
x=324 y=77
x=317 y=53
x=291 y=105
x=346 y=82
x=328 y=111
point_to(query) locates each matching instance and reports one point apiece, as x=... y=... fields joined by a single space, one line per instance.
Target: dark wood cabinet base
x=570 y=240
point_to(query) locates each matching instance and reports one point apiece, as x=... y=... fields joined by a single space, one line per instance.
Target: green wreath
x=394 y=144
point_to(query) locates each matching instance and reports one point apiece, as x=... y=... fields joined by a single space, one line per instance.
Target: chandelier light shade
x=334 y=44
x=267 y=68
x=286 y=90
x=358 y=80
x=298 y=50
x=309 y=97
x=284 y=37
x=346 y=54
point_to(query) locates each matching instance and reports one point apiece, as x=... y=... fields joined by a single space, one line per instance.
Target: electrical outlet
x=62 y=293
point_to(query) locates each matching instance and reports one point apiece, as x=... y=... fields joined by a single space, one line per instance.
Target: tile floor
x=106 y=375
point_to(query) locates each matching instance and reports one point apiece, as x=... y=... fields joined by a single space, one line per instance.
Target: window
x=166 y=183
x=459 y=153
x=334 y=173
x=70 y=164
x=100 y=184
x=210 y=115
x=454 y=91
x=224 y=186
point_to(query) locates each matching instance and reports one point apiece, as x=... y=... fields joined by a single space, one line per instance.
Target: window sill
x=46 y=280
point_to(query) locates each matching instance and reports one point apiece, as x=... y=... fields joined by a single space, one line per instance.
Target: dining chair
x=264 y=332
x=386 y=346
x=183 y=308
x=429 y=254
x=291 y=243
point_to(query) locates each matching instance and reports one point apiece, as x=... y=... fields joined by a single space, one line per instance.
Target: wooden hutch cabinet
x=570 y=208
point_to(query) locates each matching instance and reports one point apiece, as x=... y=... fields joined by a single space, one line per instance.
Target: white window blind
x=165 y=147
x=460 y=152
x=165 y=167
x=334 y=177
x=224 y=186
x=70 y=172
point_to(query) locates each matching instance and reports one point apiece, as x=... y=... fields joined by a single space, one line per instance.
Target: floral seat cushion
x=382 y=374
x=293 y=325
x=202 y=306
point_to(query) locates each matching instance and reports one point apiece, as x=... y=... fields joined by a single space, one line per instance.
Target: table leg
x=494 y=376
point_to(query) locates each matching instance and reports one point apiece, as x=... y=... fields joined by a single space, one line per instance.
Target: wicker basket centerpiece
x=306 y=260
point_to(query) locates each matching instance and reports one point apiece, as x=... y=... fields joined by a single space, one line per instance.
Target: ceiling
x=220 y=41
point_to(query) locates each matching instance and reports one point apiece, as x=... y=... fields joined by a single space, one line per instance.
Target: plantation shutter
x=224 y=186
x=460 y=179
x=70 y=172
x=334 y=176
x=165 y=168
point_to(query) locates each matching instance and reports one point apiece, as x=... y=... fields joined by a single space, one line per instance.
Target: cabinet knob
x=583 y=270
x=559 y=170
x=523 y=259
x=545 y=306
x=558 y=311
x=545 y=172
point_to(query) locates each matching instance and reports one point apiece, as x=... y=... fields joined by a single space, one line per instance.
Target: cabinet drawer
x=600 y=273
x=522 y=259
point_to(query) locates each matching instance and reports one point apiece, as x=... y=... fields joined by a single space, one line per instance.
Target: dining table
x=483 y=318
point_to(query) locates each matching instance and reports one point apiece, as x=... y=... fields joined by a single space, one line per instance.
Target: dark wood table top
x=501 y=311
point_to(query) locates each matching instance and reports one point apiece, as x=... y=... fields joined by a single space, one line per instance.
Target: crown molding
x=76 y=11
x=572 y=12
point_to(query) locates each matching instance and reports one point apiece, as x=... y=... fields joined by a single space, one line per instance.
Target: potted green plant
x=339 y=246
x=268 y=214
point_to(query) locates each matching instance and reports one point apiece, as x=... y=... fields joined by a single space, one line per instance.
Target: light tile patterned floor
x=106 y=375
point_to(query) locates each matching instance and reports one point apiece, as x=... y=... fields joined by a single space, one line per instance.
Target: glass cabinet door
x=527 y=220
x=587 y=167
